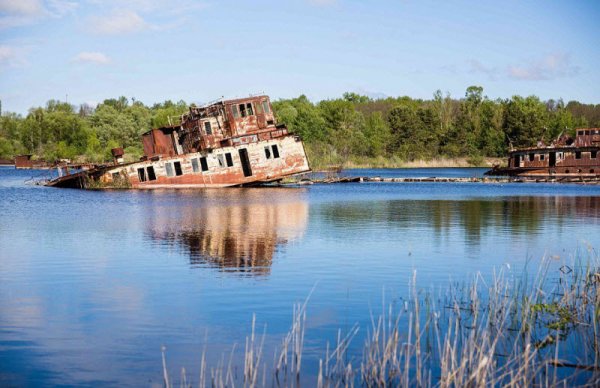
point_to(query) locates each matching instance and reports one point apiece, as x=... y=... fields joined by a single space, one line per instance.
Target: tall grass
x=539 y=330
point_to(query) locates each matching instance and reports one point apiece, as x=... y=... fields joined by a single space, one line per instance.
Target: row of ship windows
x=242 y=110
x=588 y=132
x=247 y=109
x=578 y=154
x=198 y=164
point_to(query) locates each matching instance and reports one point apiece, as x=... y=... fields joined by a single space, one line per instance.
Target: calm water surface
x=92 y=284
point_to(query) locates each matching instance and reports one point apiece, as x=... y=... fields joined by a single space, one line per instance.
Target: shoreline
x=421 y=163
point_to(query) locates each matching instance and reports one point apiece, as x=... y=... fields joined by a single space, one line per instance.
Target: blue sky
x=153 y=50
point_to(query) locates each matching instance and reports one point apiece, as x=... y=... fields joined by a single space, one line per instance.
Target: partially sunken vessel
x=226 y=143
x=566 y=158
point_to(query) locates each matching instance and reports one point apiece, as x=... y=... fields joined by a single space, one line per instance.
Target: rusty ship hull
x=566 y=158
x=229 y=143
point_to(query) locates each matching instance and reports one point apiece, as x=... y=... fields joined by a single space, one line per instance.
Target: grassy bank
x=325 y=156
x=504 y=331
x=421 y=163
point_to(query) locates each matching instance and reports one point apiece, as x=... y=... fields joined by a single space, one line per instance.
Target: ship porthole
x=592 y=171
x=567 y=171
x=579 y=170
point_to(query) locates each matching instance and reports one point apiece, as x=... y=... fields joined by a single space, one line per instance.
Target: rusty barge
x=225 y=143
x=565 y=159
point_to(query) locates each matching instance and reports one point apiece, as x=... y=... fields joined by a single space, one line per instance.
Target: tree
x=356 y=98
x=413 y=131
x=377 y=135
x=6 y=149
x=112 y=125
x=344 y=124
x=302 y=117
x=167 y=113
x=524 y=120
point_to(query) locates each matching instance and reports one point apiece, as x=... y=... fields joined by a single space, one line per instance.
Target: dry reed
x=537 y=330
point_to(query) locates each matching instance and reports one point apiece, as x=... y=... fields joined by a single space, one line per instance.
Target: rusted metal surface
x=227 y=143
x=117 y=152
x=25 y=162
x=221 y=170
x=160 y=142
x=565 y=157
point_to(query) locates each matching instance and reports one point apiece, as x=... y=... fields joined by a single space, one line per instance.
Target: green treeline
x=353 y=128
x=386 y=132
x=63 y=131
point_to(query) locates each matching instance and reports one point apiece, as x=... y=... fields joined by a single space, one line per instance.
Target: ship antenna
x=510 y=143
x=560 y=134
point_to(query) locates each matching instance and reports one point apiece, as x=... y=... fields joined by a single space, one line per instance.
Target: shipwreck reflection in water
x=237 y=230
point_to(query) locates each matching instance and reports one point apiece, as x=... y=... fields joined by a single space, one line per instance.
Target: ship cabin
x=225 y=143
x=222 y=124
x=229 y=123
x=565 y=156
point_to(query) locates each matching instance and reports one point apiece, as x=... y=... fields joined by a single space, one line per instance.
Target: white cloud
x=92 y=57
x=11 y=56
x=121 y=16
x=150 y=6
x=15 y=13
x=552 y=66
x=126 y=15
x=19 y=13
x=475 y=66
x=119 y=22
x=22 y=7
x=62 y=7
x=6 y=53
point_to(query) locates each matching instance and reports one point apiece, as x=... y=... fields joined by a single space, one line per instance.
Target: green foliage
x=558 y=318
x=63 y=131
x=525 y=120
x=302 y=117
x=356 y=98
x=414 y=132
x=352 y=129
x=167 y=113
x=6 y=149
x=377 y=135
x=133 y=153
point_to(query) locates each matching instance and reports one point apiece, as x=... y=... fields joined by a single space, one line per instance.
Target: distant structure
x=565 y=158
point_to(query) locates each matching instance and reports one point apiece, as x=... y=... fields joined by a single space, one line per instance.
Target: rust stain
x=565 y=157
x=226 y=143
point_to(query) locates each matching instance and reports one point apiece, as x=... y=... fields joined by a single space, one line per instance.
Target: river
x=94 y=283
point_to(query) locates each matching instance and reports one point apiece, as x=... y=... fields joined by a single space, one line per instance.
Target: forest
x=352 y=129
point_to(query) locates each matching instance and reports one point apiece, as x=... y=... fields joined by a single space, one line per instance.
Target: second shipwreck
x=226 y=143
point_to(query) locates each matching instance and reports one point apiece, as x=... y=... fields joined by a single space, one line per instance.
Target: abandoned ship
x=566 y=158
x=226 y=143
